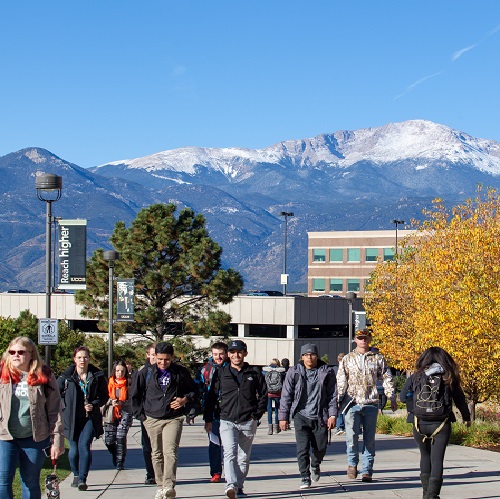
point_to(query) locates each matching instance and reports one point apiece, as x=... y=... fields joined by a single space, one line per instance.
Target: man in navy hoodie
x=241 y=393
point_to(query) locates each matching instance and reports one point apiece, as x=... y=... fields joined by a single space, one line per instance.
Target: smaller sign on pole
x=125 y=300
x=48 y=331
x=359 y=320
x=284 y=278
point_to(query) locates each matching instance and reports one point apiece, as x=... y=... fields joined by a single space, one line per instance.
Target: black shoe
x=305 y=483
x=240 y=492
x=315 y=474
x=120 y=467
x=82 y=486
x=149 y=481
x=74 y=483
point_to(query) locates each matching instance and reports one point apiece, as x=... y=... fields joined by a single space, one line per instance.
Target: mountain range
x=348 y=180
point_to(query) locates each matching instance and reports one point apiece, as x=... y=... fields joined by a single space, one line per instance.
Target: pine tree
x=178 y=276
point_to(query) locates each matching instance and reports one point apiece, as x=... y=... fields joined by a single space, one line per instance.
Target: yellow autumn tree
x=443 y=289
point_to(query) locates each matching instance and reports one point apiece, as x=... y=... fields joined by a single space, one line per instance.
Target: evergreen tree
x=178 y=276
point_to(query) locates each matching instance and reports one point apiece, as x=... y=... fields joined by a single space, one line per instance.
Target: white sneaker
x=159 y=494
x=232 y=492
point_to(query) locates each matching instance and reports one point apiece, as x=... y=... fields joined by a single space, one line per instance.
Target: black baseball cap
x=237 y=345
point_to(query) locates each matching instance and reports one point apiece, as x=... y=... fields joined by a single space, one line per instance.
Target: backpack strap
x=434 y=433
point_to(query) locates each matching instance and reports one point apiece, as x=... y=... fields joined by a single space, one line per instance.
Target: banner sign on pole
x=125 y=300
x=72 y=251
x=48 y=332
x=359 y=320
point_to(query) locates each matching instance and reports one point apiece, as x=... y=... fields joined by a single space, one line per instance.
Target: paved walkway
x=469 y=473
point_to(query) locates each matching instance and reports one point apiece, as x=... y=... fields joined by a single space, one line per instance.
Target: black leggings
x=432 y=454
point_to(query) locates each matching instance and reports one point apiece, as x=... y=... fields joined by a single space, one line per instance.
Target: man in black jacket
x=159 y=398
x=241 y=393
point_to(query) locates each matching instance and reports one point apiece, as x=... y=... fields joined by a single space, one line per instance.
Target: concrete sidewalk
x=469 y=473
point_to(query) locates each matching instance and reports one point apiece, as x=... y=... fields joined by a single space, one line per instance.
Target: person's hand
x=208 y=427
x=88 y=407
x=283 y=425
x=55 y=452
x=394 y=405
x=178 y=402
x=332 y=421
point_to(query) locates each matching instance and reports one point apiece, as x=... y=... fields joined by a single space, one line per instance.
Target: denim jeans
x=270 y=409
x=357 y=416
x=31 y=458
x=237 y=439
x=309 y=435
x=340 y=422
x=215 y=451
x=80 y=455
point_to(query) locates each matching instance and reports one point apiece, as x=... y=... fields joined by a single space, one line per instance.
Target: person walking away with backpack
x=203 y=380
x=241 y=393
x=358 y=374
x=274 y=375
x=309 y=396
x=435 y=386
x=118 y=413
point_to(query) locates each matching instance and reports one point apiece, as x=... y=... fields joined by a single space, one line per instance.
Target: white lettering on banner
x=64 y=246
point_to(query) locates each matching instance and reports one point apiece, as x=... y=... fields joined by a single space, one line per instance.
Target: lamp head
x=48 y=187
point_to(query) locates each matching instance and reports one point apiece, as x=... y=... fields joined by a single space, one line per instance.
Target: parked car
x=13 y=290
x=330 y=296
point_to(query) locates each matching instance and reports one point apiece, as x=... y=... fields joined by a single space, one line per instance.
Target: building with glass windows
x=341 y=261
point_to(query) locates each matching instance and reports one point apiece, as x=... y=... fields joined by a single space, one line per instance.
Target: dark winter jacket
x=97 y=395
x=203 y=380
x=148 y=398
x=237 y=403
x=294 y=384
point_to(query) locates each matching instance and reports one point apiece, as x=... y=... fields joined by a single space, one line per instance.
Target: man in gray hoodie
x=309 y=396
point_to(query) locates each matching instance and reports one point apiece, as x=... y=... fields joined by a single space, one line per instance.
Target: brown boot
x=352 y=472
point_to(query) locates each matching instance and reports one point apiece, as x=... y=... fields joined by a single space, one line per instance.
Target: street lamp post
x=350 y=297
x=48 y=189
x=285 y=214
x=397 y=222
x=110 y=256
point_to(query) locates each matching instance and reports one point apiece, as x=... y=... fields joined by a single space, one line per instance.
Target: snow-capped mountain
x=347 y=180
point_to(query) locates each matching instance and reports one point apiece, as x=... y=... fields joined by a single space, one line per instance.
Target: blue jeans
x=31 y=458
x=215 y=451
x=79 y=455
x=237 y=439
x=270 y=409
x=340 y=422
x=358 y=415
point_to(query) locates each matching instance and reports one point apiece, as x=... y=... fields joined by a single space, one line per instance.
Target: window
x=336 y=255
x=336 y=285
x=353 y=285
x=388 y=254
x=371 y=254
x=353 y=254
x=319 y=255
x=319 y=284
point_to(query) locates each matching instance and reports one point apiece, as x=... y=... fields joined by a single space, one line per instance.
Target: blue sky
x=98 y=81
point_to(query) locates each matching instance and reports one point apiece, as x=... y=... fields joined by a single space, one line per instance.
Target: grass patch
x=481 y=435
x=63 y=470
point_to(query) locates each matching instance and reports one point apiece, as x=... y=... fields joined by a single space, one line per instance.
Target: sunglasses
x=20 y=352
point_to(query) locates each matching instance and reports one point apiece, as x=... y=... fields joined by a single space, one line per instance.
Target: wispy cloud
x=461 y=52
x=179 y=70
x=454 y=57
x=409 y=88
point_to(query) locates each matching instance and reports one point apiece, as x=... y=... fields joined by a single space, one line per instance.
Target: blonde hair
x=275 y=361
x=35 y=374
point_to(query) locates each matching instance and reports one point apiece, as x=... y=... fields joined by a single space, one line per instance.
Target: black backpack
x=274 y=380
x=431 y=397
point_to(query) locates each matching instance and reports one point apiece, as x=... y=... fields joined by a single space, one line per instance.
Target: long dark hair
x=120 y=363
x=437 y=354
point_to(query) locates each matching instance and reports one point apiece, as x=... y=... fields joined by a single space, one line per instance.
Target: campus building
x=341 y=261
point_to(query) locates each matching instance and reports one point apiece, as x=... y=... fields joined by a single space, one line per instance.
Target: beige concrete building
x=341 y=261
